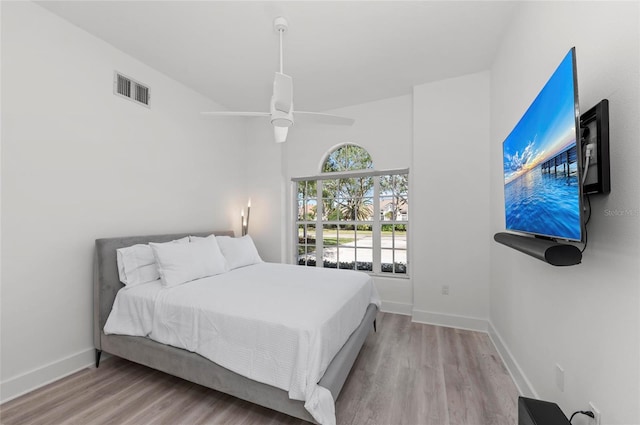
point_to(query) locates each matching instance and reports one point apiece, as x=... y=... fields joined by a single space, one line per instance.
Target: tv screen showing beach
x=541 y=171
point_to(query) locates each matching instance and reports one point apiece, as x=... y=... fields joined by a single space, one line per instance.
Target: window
x=394 y=218
x=352 y=216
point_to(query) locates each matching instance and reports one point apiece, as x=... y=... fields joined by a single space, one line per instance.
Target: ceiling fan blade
x=282 y=92
x=236 y=114
x=321 y=118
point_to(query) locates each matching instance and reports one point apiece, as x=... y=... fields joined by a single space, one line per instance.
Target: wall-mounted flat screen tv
x=543 y=162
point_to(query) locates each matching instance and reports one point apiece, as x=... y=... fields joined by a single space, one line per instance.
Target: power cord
x=586 y=234
x=589 y=209
x=588 y=413
x=588 y=152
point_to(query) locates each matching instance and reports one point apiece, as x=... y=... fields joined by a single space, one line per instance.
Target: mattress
x=274 y=323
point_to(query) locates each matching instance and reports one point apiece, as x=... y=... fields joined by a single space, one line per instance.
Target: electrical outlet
x=559 y=377
x=596 y=414
x=445 y=289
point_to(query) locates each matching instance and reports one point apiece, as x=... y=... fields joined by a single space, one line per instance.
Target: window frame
x=376 y=222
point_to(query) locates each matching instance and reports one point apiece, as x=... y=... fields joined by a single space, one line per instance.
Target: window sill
x=389 y=275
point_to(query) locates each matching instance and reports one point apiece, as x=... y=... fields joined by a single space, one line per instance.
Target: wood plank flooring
x=406 y=374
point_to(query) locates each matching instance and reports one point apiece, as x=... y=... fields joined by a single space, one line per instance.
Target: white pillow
x=181 y=263
x=239 y=252
x=137 y=265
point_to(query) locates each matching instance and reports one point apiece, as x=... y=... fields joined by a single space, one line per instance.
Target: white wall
x=585 y=318
x=79 y=163
x=451 y=206
x=384 y=129
x=265 y=186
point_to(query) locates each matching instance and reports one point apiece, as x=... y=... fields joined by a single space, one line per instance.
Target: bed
x=195 y=367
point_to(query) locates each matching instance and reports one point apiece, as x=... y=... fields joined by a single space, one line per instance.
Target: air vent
x=131 y=89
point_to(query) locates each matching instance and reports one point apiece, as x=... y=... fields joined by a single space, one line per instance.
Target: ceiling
x=339 y=53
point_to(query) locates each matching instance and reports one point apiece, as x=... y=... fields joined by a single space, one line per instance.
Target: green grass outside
x=334 y=241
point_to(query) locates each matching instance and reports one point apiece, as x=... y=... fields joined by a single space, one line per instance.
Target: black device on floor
x=538 y=412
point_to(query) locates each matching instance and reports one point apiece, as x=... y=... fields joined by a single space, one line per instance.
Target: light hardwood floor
x=407 y=373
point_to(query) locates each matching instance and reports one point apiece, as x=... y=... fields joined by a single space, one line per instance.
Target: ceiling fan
x=281 y=112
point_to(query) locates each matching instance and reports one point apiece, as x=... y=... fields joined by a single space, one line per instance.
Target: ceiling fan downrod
x=280 y=25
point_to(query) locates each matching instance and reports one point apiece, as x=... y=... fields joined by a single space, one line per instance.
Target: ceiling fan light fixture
x=281 y=119
x=282 y=122
x=280 y=133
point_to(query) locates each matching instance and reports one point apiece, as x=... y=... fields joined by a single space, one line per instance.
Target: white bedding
x=274 y=323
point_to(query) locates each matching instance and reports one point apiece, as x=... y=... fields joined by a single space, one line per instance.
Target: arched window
x=353 y=216
x=347 y=158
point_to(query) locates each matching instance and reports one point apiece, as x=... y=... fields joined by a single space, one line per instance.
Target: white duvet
x=274 y=323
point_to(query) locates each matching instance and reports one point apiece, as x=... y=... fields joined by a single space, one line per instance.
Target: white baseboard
x=517 y=375
x=396 y=308
x=29 y=381
x=450 y=320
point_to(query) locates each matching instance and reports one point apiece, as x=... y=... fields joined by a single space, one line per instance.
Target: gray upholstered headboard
x=106 y=282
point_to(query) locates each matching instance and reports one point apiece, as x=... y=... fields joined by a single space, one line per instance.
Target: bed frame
x=192 y=366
